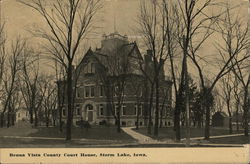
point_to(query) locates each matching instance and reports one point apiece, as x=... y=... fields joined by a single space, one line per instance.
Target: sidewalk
x=142 y=139
x=211 y=137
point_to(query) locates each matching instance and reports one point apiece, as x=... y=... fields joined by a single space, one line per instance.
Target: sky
x=19 y=18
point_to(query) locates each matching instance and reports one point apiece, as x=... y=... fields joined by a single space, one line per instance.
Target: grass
x=168 y=133
x=24 y=129
x=95 y=133
x=231 y=140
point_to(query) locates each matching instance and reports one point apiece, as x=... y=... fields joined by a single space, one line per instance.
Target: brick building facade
x=94 y=98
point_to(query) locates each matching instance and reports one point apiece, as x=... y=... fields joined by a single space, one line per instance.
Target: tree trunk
x=31 y=115
x=161 y=117
x=8 y=119
x=60 y=120
x=36 y=119
x=230 y=117
x=245 y=112
x=177 y=113
x=150 y=109
x=207 y=122
x=69 y=96
x=47 y=122
x=2 y=120
x=13 y=120
x=237 y=120
x=118 y=120
x=156 y=126
x=199 y=122
x=230 y=125
x=137 y=117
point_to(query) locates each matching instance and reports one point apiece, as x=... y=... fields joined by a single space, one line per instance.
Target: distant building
x=220 y=119
x=22 y=115
x=93 y=95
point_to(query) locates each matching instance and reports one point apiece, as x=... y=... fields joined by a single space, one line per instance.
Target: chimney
x=148 y=56
x=150 y=53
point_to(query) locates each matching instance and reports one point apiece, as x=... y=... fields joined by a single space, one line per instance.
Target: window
x=116 y=108
x=78 y=111
x=140 y=109
x=92 y=91
x=78 y=93
x=124 y=110
x=135 y=110
x=89 y=91
x=63 y=111
x=101 y=90
x=90 y=68
x=140 y=91
x=101 y=110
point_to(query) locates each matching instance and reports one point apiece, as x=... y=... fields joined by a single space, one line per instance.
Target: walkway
x=142 y=139
x=139 y=137
x=211 y=137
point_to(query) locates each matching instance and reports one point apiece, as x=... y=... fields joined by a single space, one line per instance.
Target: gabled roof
x=124 y=50
x=221 y=113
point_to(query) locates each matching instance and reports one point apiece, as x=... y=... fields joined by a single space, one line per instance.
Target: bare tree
x=227 y=90
x=48 y=91
x=241 y=71
x=29 y=86
x=69 y=21
x=114 y=77
x=153 y=28
x=2 y=50
x=11 y=76
x=198 y=27
x=237 y=92
x=137 y=85
x=235 y=34
x=61 y=88
x=15 y=104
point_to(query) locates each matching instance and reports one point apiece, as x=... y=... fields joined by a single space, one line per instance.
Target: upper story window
x=101 y=90
x=89 y=91
x=89 y=68
x=78 y=95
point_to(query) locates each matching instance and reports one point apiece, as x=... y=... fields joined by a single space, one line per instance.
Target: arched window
x=89 y=107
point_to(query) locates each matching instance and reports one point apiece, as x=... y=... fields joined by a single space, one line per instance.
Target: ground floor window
x=78 y=111
x=124 y=110
x=101 y=110
x=64 y=112
x=123 y=123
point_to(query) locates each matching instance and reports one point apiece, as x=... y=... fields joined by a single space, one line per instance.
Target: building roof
x=111 y=49
x=221 y=113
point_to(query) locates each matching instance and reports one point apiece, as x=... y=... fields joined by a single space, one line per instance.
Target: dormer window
x=89 y=68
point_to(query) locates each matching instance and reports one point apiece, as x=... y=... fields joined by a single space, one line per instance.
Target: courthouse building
x=94 y=101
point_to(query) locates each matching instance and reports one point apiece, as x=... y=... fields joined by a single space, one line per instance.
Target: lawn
x=231 y=140
x=95 y=133
x=168 y=133
x=24 y=129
